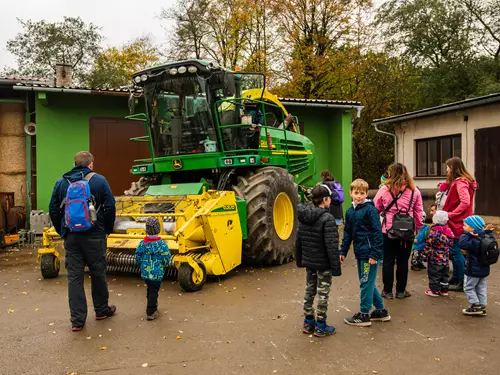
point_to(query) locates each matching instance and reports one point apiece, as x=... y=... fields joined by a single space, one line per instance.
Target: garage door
x=487 y=170
x=113 y=151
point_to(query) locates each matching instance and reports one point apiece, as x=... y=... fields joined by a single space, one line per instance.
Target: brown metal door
x=114 y=152
x=487 y=170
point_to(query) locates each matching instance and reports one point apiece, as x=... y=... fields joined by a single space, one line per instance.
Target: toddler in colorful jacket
x=153 y=256
x=437 y=252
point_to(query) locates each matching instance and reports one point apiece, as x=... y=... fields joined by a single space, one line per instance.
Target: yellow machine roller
x=203 y=232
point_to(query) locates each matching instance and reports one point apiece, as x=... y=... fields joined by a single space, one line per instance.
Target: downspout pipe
x=395 y=140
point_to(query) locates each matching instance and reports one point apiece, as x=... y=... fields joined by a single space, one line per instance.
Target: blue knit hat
x=475 y=222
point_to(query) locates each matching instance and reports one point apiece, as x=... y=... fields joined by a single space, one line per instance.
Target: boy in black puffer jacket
x=363 y=229
x=317 y=250
x=475 y=272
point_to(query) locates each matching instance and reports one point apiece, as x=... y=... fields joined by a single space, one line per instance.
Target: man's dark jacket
x=363 y=230
x=99 y=188
x=317 y=240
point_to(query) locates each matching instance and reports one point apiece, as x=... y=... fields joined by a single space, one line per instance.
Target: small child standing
x=153 y=256
x=417 y=261
x=437 y=252
x=364 y=230
x=476 y=272
x=317 y=249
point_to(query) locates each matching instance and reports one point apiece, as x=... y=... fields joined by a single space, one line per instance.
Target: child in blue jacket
x=153 y=256
x=364 y=231
x=476 y=274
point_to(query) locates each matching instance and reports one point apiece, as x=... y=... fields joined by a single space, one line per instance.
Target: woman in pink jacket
x=459 y=204
x=398 y=187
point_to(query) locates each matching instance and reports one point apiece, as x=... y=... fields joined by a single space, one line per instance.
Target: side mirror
x=131 y=103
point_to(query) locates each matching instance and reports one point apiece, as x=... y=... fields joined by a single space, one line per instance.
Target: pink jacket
x=459 y=203
x=384 y=198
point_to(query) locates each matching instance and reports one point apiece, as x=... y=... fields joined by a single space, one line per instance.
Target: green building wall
x=330 y=130
x=63 y=130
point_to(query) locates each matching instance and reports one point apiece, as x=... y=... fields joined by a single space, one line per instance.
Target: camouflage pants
x=317 y=282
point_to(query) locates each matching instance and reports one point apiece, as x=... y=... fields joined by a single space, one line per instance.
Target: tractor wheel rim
x=283 y=216
x=195 y=278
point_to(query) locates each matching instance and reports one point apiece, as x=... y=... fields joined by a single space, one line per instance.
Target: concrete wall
x=442 y=125
x=13 y=151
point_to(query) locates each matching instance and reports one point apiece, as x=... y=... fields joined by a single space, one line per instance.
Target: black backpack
x=488 y=252
x=403 y=224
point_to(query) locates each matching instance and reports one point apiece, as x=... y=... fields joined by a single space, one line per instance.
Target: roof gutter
x=358 y=108
x=71 y=91
x=392 y=135
x=441 y=109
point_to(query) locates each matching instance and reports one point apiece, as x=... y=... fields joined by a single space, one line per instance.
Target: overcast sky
x=121 y=21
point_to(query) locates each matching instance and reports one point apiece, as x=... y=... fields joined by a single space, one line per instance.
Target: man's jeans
x=475 y=290
x=369 y=293
x=458 y=261
x=84 y=250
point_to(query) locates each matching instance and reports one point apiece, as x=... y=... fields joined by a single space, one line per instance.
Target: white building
x=469 y=129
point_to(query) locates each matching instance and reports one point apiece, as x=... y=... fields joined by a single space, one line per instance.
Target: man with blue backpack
x=82 y=210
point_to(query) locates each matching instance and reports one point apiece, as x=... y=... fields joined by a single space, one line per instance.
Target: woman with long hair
x=337 y=196
x=460 y=187
x=397 y=195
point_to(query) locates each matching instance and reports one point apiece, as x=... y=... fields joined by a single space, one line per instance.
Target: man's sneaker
x=76 y=328
x=152 y=316
x=309 y=325
x=473 y=310
x=380 y=315
x=401 y=295
x=358 y=319
x=110 y=312
x=387 y=295
x=444 y=293
x=322 y=329
x=430 y=293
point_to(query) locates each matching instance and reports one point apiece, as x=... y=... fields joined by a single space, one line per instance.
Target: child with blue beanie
x=476 y=272
x=153 y=256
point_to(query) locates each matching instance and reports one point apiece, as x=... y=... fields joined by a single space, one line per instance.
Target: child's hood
x=366 y=203
x=309 y=214
x=444 y=229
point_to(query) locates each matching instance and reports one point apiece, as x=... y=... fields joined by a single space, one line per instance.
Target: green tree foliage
x=42 y=44
x=114 y=66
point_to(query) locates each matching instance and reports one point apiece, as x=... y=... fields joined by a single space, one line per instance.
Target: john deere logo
x=177 y=163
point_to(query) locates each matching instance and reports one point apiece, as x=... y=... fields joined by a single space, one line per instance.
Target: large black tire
x=185 y=277
x=49 y=266
x=260 y=189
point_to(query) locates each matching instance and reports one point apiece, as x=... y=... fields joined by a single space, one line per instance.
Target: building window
x=432 y=154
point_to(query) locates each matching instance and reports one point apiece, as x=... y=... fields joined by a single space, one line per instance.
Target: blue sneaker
x=322 y=329
x=309 y=325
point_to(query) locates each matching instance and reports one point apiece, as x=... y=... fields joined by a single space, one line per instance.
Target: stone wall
x=13 y=151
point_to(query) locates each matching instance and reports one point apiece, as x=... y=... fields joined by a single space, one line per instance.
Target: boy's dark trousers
x=152 y=295
x=438 y=277
x=82 y=250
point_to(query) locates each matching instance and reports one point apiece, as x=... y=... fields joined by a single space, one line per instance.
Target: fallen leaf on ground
x=109 y=329
x=51 y=324
x=10 y=311
x=36 y=309
x=178 y=338
x=104 y=348
x=88 y=338
x=25 y=292
x=437 y=359
x=144 y=365
x=53 y=332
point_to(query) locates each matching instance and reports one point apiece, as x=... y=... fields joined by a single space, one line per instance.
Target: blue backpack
x=76 y=212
